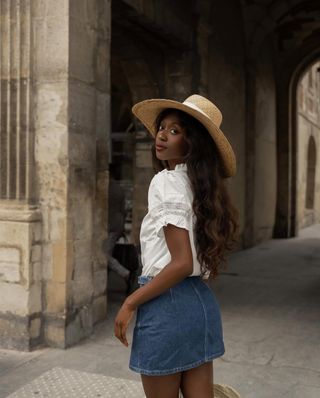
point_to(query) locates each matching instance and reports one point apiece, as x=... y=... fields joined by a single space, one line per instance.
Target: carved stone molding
x=16 y=131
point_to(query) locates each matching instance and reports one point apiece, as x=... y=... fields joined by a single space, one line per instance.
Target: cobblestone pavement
x=270 y=300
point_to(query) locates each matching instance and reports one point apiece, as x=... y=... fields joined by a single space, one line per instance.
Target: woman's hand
x=180 y=266
x=122 y=321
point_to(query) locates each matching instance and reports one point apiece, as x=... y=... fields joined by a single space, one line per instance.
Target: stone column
x=54 y=128
x=89 y=130
x=20 y=218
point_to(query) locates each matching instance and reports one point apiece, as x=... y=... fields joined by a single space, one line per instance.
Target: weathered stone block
x=34 y=299
x=102 y=128
x=82 y=247
x=55 y=294
x=47 y=261
x=36 y=232
x=35 y=327
x=16 y=232
x=82 y=96
x=83 y=186
x=51 y=128
x=83 y=268
x=14 y=298
x=74 y=331
x=57 y=221
x=14 y=332
x=99 y=309
x=59 y=263
x=52 y=32
x=10 y=261
x=81 y=50
x=101 y=66
x=82 y=218
x=85 y=12
x=86 y=317
x=36 y=271
x=82 y=292
x=82 y=150
x=36 y=253
x=54 y=333
x=100 y=282
x=41 y=9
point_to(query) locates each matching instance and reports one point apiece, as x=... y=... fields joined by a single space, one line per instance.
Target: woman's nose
x=162 y=137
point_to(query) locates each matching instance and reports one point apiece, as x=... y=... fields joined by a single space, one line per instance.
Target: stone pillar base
x=20 y=277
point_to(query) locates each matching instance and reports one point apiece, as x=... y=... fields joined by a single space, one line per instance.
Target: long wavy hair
x=216 y=224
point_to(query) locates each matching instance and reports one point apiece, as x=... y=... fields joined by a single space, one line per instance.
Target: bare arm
x=180 y=266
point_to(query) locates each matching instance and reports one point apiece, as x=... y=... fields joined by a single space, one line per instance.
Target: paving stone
x=61 y=383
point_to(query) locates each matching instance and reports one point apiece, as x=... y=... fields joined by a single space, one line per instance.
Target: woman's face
x=170 y=143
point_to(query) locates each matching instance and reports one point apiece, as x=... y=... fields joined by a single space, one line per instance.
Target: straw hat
x=201 y=109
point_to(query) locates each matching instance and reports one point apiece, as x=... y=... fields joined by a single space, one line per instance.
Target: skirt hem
x=175 y=370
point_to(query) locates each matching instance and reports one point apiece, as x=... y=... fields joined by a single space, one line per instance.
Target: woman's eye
x=160 y=128
x=173 y=131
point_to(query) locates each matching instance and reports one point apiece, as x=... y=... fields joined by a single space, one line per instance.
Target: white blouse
x=169 y=202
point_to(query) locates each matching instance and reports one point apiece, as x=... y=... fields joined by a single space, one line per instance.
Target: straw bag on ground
x=223 y=391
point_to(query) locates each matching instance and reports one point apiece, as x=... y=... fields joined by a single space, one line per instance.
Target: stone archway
x=289 y=73
x=307 y=137
x=291 y=31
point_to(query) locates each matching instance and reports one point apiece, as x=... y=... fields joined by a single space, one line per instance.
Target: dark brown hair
x=216 y=218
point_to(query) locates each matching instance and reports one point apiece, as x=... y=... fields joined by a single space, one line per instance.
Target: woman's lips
x=160 y=147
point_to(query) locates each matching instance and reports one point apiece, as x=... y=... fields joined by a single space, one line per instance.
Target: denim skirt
x=178 y=330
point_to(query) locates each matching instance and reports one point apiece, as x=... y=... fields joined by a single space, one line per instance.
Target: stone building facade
x=70 y=72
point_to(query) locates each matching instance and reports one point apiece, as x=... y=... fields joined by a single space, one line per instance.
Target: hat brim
x=147 y=112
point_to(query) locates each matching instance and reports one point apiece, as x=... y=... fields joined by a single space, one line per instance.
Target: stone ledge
x=19 y=212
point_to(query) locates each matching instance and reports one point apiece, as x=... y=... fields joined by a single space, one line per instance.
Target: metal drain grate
x=68 y=383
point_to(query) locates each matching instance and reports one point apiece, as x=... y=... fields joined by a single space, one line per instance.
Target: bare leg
x=161 y=386
x=198 y=382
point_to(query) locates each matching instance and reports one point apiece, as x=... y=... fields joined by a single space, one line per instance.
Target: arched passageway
x=282 y=41
x=308 y=134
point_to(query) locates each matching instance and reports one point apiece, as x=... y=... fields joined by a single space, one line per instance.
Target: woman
x=189 y=227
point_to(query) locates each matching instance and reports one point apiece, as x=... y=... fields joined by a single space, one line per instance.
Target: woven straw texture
x=201 y=109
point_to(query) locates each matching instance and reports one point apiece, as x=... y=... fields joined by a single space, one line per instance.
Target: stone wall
x=308 y=120
x=53 y=270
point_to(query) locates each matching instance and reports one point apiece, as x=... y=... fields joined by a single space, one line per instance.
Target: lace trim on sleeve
x=178 y=214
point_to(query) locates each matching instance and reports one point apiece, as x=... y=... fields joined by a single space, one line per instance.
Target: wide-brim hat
x=205 y=111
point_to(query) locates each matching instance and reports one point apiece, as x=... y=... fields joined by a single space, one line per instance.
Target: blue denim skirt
x=178 y=330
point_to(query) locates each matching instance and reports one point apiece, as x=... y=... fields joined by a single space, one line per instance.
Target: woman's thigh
x=198 y=382
x=161 y=386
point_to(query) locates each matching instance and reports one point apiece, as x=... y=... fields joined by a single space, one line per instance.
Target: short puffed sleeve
x=169 y=202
